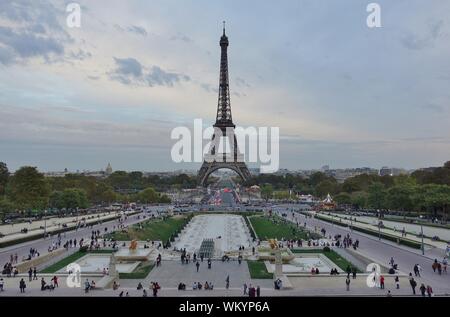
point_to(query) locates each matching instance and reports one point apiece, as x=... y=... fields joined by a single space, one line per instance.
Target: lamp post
x=45 y=223
x=422 y=246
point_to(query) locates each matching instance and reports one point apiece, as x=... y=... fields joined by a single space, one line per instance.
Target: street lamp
x=422 y=246
x=45 y=223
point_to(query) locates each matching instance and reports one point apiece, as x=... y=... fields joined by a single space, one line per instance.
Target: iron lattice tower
x=223 y=127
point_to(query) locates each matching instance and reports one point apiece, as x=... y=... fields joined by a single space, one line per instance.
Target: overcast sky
x=342 y=94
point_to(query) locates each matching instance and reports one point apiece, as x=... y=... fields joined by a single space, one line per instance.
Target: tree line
x=423 y=191
x=29 y=190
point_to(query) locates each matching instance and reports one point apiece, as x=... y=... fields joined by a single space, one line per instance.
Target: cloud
x=139 y=30
x=414 y=41
x=209 y=88
x=433 y=108
x=80 y=55
x=181 y=37
x=240 y=82
x=26 y=44
x=130 y=71
x=31 y=31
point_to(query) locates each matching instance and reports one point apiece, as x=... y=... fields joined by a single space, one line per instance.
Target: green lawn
x=141 y=271
x=266 y=228
x=69 y=259
x=258 y=270
x=152 y=230
x=341 y=262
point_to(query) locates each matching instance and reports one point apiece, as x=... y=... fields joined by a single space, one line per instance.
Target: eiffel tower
x=223 y=128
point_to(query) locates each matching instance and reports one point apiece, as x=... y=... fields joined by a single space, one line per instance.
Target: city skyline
x=112 y=90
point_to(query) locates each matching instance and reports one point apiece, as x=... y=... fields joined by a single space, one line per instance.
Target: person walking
x=416 y=270
x=87 y=286
x=245 y=288
x=35 y=274
x=55 y=281
x=397 y=282
x=197 y=265
x=22 y=286
x=413 y=284
x=381 y=282
x=429 y=291
x=423 y=289
x=227 y=282
x=258 y=291
x=347 y=283
x=209 y=263
x=30 y=274
x=2 y=283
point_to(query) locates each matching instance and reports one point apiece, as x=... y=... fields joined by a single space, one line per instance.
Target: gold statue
x=133 y=245
x=273 y=244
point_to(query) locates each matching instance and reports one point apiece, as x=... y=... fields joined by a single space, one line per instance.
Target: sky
x=112 y=90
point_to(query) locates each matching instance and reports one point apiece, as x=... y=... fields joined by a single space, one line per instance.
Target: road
x=381 y=252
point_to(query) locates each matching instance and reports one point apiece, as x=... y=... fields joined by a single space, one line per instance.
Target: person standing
x=381 y=282
x=258 y=291
x=197 y=265
x=22 y=286
x=209 y=263
x=245 y=288
x=227 y=282
x=30 y=274
x=347 y=283
x=35 y=274
x=2 y=283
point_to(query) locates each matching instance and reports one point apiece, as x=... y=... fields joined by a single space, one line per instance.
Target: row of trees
x=423 y=191
x=28 y=189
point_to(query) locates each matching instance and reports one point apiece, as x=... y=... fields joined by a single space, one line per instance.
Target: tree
x=434 y=198
x=377 y=196
x=359 y=199
x=108 y=196
x=57 y=200
x=28 y=189
x=400 y=197
x=266 y=191
x=5 y=207
x=164 y=199
x=343 y=199
x=70 y=198
x=4 y=175
x=326 y=187
x=148 y=196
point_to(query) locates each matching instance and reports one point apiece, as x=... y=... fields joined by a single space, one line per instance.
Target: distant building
x=109 y=169
x=385 y=171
